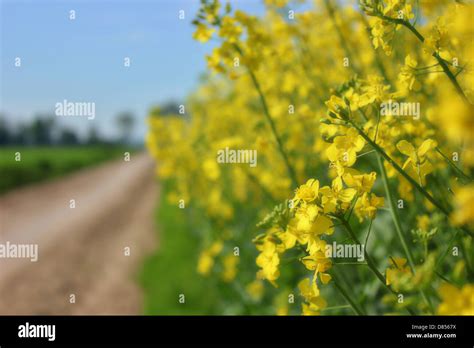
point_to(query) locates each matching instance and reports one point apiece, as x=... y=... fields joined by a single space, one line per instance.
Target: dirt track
x=81 y=250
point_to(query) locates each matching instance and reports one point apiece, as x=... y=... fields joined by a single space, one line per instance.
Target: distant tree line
x=44 y=130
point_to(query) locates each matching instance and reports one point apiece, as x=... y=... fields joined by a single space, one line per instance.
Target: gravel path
x=81 y=251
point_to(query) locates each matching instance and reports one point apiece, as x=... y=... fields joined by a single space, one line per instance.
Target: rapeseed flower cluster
x=362 y=118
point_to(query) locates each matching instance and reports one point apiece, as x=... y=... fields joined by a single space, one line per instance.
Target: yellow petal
x=321 y=225
x=325 y=277
x=347 y=195
x=427 y=145
x=406 y=148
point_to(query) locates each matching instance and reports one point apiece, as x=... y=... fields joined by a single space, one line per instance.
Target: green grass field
x=43 y=163
x=171 y=270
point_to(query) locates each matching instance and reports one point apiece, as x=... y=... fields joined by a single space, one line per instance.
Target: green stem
x=466 y=257
x=335 y=308
x=370 y=261
x=269 y=118
x=395 y=218
x=399 y=169
x=445 y=253
x=453 y=165
x=441 y=61
x=443 y=277
x=378 y=60
x=398 y=227
x=404 y=174
x=342 y=41
x=368 y=233
x=265 y=192
x=348 y=298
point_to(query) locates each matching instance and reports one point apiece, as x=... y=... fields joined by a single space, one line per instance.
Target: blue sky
x=82 y=59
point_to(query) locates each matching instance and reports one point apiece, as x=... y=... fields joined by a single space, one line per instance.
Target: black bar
x=133 y=330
